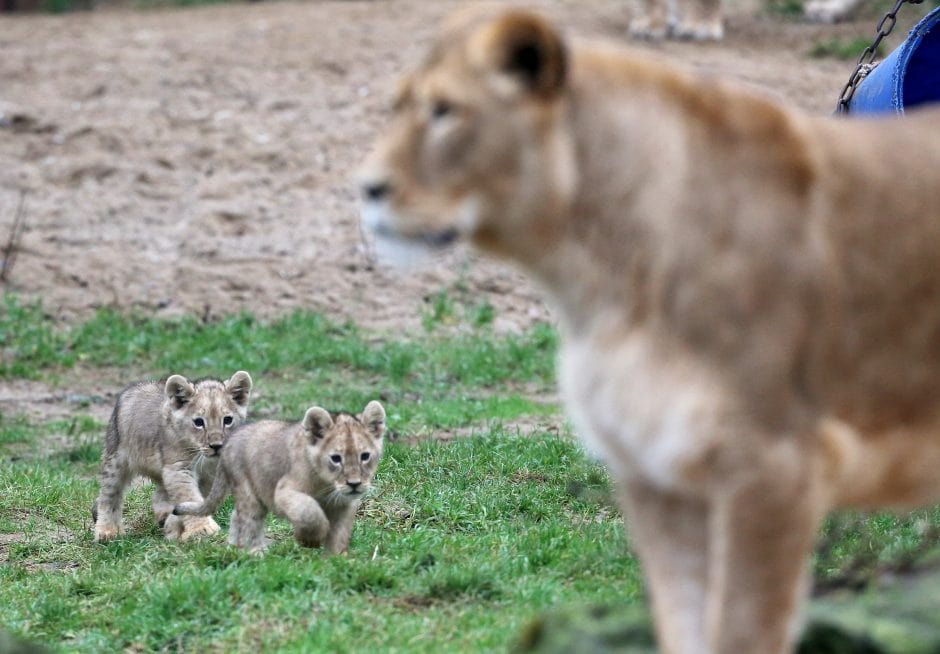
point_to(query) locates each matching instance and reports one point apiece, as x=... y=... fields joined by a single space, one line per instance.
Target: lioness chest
x=643 y=410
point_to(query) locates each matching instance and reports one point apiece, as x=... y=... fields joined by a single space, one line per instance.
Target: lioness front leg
x=180 y=485
x=304 y=512
x=762 y=534
x=670 y=533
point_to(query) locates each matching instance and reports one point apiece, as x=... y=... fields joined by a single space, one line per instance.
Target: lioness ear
x=527 y=48
x=316 y=423
x=239 y=387
x=373 y=417
x=178 y=390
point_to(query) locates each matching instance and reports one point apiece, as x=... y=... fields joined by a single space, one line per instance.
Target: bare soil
x=199 y=160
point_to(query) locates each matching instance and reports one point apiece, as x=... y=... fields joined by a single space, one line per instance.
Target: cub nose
x=376 y=191
x=215 y=447
x=354 y=484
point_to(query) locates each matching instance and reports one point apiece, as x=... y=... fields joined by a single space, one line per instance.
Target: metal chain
x=864 y=65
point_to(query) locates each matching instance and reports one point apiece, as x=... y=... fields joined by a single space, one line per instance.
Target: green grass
x=846 y=49
x=463 y=544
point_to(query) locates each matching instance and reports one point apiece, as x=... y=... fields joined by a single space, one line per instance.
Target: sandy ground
x=199 y=160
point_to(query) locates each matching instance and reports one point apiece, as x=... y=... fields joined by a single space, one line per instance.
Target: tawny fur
x=152 y=433
x=749 y=297
x=313 y=473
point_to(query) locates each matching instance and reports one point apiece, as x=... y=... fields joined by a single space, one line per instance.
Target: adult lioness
x=749 y=297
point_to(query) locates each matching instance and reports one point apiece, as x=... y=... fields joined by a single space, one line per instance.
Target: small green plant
x=842 y=48
x=440 y=310
x=785 y=8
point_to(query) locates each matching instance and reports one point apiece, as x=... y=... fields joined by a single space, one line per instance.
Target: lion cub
x=171 y=433
x=314 y=473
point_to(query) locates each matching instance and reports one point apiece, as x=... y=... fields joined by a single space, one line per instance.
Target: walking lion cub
x=313 y=473
x=171 y=433
x=748 y=297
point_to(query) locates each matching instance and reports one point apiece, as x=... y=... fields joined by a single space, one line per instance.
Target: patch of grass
x=839 y=48
x=785 y=8
x=458 y=549
x=33 y=345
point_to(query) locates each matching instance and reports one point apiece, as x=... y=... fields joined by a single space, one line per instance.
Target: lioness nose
x=354 y=484
x=376 y=191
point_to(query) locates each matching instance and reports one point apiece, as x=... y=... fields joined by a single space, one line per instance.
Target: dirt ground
x=199 y=160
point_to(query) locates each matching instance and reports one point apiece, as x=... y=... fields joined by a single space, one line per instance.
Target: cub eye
x=227 y=420
x=199 y=422
x=364 y=456
x=336 y=458
x=441 y=108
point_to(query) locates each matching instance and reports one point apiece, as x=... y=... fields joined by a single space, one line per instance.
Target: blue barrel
x=907 y=77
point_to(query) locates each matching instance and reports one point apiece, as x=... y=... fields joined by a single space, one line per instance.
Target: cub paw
x=199 y=528
x=104 y=533
x=173 y=527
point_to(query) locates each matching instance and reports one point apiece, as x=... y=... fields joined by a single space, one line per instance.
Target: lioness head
x=345 y=449
x=477 y=146
x=206 y=411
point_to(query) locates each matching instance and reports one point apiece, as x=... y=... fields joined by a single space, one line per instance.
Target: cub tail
x=209 y=505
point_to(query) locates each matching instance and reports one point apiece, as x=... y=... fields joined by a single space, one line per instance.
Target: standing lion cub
x=748 y=296
x=171 y=433
x=314 y=473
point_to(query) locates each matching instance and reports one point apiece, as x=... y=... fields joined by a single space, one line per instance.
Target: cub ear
x=373 y=417
x=239 y=387
x=316 y=423
x=527 y=48
x=179 y=391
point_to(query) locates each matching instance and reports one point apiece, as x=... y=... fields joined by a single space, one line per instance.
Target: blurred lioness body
x=749 y=297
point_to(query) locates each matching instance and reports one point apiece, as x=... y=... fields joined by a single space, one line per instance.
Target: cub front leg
x=670 y=534
x=762 y=534
x=162 y=506
x=180 y=485
x=341 y=524
x=304 y=512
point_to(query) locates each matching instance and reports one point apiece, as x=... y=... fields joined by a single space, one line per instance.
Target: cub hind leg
x=246 y=527
x=108 y=507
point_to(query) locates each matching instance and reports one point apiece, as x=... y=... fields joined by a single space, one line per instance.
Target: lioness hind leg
x=108 y=507
x=670 y=534
x=762 y=535
x=652 y=20
x=698 y=20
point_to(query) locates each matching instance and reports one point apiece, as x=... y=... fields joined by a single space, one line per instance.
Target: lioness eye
x=364 y=456
x=336 y=458
x=199 y=422
x=441 y=108
x=227 y=420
